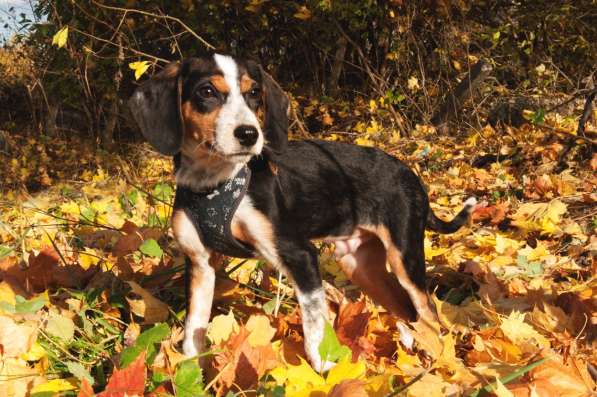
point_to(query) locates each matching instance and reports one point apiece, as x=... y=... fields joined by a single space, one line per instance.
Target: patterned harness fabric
x=212 y=211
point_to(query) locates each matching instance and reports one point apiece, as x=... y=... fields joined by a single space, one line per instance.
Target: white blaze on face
x=234 y=113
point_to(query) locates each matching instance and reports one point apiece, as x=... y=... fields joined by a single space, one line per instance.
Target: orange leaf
x=351 y=328
x=129 y=381
x=349 y=388
x=241 y=365
x=86 y=390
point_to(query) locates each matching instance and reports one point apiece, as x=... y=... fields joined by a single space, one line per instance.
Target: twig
x=151 y=14
x=566 y=132
x=141 y=53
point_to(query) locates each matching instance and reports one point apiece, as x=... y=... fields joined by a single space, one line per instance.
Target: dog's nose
x=247 y=135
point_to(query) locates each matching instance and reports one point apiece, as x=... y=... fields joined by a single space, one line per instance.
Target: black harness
x=211 y=213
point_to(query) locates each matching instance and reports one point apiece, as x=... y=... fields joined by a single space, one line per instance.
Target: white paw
x=406 y=336
x=189 y=349
x=322 y=366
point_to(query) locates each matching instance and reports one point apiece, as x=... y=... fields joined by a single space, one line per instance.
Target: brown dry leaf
x=45 y=270
x=351 y=328
x=349 y=388
x=240 y=364
x=149 y=307
x=133 y=237
x=581 y=311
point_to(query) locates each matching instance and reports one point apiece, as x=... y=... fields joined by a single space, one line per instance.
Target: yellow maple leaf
x=6 y=294
x=140 y=67
x=364 y=141
x=543 y=217
x=221 y=327
x=505 y=245
x=534 y=254
x=88 y=258
x=70 y=208
x=300 y=380
x=261 y=332
x=516 y=330
x=59 y=39
x=346 y=369
x=35 y=353
x=55 y=386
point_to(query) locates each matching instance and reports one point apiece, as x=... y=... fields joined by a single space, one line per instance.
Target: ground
x=92 y=291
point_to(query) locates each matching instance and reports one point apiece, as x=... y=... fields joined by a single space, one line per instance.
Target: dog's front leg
x=300 y=262
x=200 y=283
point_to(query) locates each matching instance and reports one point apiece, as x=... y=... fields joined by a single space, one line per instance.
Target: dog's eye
x=206 y=92
x=255 y=92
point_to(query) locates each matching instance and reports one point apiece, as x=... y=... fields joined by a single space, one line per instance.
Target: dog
x=243 y=189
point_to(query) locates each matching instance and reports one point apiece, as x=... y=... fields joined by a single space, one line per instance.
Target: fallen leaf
x=349 y=388
x=54 y=386
x=261 y=332
x=128 y=381
x=61 y=327
x=240 y=364
x=221 y=327
x=351 y=328
x=151 y=309
x=16 y=339
x=85 y=390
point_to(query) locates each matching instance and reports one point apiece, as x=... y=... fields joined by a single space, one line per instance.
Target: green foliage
x=145 y=342
x=188 y=380
x=23 y=306
x=330 y=348
x=151 y=248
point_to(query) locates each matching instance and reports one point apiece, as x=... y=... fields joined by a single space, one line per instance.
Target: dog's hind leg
x=407 y=260
x=365 y=265
x=200 y=283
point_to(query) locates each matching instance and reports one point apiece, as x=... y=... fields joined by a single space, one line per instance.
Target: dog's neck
x=203 y=174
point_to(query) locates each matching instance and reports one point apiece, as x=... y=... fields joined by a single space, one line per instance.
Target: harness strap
x=212 y=211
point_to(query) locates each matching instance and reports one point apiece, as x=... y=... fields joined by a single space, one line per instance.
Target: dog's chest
x=212 y=213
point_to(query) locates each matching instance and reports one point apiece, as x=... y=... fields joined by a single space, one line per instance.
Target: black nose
x=246 y=135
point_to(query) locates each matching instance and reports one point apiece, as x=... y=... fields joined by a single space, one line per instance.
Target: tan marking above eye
x=246 y=83
x=220 y=84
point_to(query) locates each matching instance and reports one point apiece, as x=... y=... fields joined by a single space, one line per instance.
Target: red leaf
x=86 y=390
x=129 y=381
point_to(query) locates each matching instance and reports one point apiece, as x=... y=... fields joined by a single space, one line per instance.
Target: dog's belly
x=348 y=245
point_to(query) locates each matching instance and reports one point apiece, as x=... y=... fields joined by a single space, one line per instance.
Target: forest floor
x=92 y=289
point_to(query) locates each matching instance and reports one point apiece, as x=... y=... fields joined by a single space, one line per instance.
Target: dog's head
x=213 y=106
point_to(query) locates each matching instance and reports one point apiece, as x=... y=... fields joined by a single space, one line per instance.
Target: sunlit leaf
x=140 y=67
x=59 y=39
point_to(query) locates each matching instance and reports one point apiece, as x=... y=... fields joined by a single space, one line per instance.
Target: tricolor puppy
x=243 y=190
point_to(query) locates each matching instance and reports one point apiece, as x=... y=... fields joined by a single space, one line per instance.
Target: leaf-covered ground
x=92 y=289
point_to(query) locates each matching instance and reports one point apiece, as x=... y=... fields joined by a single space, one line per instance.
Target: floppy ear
x=156 y=108
x=276 y=114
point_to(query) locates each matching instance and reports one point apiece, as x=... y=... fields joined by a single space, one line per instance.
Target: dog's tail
x=437 y=225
